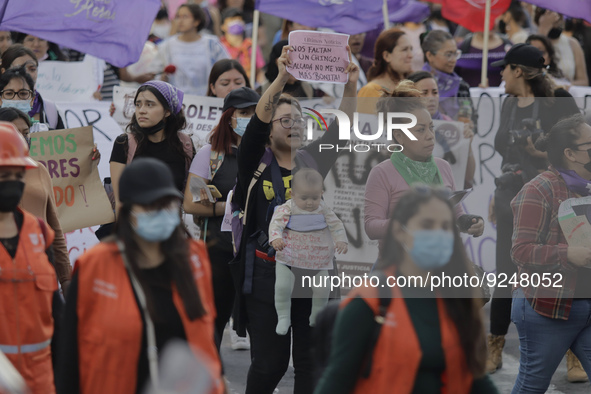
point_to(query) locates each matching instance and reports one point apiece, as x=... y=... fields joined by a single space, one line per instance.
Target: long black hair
x=460 y=302
x=176 y=255
x=172 y=124
x=222 y=66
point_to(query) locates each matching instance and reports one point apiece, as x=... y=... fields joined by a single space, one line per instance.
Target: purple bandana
x=448 y=85
x=172 y=95
x=575 y=182
x=36 y=105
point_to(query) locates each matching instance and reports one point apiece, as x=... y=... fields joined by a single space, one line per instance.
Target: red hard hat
x=14 y=150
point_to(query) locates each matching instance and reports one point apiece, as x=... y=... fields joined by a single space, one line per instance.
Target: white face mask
x=23 y=105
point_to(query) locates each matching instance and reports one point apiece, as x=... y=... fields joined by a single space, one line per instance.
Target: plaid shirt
x=539 y=246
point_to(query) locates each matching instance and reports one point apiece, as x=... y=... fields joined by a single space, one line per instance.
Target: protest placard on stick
x=319 y=56
x=80 y=198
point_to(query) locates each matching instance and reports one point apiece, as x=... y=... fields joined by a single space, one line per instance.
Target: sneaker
x=239 y=343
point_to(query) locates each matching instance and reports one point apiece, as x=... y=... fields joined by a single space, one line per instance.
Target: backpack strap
x=265 y=161
x=131 y=147
x=188 y=148
x=50 y=113
x=215 y=162
x=385 y=297
x=278 y=187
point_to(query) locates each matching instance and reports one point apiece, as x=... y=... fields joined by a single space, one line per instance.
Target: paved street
x=236 y=366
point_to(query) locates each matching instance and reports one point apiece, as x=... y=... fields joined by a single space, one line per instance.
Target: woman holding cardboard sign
x=278 y=124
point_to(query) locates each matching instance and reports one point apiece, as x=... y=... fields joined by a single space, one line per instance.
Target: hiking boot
x=494 y=361
x=575 y=372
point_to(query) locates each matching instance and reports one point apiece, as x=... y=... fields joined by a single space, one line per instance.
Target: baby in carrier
x=305 y=233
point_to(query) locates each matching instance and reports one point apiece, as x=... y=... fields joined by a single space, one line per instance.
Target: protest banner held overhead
x=80 y=198
x=319 y=56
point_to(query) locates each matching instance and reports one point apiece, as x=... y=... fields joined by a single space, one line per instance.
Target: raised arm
x=268 y=102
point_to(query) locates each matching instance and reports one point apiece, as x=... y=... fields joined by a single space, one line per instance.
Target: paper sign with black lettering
x=453 y=147
x=319 y=56
x=80 y=198
x=68 y=81
x=202 y=113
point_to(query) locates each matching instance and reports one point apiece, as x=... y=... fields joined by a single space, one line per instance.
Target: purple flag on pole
x=342 y=16
x=113 y=30
x=579 y=9
x=401 y=11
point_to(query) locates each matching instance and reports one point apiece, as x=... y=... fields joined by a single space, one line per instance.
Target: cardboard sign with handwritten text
x=319 y=56
x=80 y=197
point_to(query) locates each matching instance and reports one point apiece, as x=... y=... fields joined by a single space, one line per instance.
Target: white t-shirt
x=193 y=61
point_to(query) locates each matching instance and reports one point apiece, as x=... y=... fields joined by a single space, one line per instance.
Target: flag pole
x=253 y=50
x=483 y=75
x=385 y=14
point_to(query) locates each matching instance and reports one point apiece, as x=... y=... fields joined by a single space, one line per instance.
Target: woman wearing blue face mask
x=145 y=286
x=429 y=341
x=215 y=164
x=16 y=89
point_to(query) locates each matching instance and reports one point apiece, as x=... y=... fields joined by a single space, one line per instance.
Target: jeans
x=544 y=341
x=269 y=351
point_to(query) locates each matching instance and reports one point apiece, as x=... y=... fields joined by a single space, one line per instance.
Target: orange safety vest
x=27 y=284
x=110 y=324
x=397 y=353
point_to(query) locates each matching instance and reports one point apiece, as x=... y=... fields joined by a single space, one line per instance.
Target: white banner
x=69 y=81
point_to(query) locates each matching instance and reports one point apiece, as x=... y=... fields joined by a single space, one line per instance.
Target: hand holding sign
x=318 y=56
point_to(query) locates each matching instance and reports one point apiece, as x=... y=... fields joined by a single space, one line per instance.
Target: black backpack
x=323 y=331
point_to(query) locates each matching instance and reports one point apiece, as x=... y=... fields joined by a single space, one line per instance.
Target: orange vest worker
x=27 y=284
x=110 y=323
x=397 y=353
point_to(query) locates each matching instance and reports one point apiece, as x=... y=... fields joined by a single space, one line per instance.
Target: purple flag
x=342 y=16
x=401 y=11
x=579 y=9
x=113 y=30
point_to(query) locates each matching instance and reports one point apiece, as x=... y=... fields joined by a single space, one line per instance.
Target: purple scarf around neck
x=575 y=183
x=36 y=105
x=448 y=85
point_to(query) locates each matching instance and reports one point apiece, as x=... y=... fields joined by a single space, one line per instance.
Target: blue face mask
x=156 y=226
x=241 y=124
x=23 y=105
x=431 y=249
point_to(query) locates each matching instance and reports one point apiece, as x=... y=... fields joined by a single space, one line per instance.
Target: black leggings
x=223 y=288
x=269 y=351
x=500 y=306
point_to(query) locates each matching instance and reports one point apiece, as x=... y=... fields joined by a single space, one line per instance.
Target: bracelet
x=214 y=208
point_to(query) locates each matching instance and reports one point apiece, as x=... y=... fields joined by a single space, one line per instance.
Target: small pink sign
x=319 y=56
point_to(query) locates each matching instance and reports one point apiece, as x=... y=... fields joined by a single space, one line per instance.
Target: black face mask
x=11 y=193
x=588 y=165
x=502 y=27
x=154 y=129
x=554 y=33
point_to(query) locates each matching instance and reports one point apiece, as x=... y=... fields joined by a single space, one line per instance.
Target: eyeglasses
x=24 y=94
x=452 y=55
x=584 y=143
x=289 y=123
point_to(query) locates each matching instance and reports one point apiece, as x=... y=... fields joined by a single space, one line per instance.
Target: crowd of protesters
x=104 y=325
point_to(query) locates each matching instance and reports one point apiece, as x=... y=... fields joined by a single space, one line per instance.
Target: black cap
x=241 y=98
x=146 y=180
x=523 y=55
